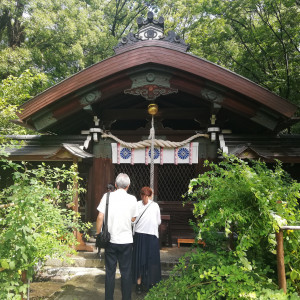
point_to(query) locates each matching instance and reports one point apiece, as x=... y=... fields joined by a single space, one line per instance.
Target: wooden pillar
x=102 y=175
x=280 y=261
x=90 y=194
x=81 y=244
x=75 y=187
x=25 y=281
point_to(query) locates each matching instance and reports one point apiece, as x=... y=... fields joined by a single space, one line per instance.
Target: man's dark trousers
x=121 y=253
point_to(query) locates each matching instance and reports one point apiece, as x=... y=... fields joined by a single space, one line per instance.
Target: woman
x=146 y=269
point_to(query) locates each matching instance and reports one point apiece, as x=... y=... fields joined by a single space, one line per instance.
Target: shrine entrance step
x=189 y=241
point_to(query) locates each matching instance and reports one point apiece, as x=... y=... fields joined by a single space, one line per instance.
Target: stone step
x=79 y=262
x=92 y=260
x=168 y=256
x=91 y=263
x=63 y=274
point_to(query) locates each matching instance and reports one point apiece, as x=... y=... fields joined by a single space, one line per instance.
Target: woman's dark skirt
x=146 y=259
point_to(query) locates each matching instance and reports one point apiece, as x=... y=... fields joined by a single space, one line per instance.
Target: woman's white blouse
x=150 y=220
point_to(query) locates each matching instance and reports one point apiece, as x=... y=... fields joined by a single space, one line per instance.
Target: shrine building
x=154 y=92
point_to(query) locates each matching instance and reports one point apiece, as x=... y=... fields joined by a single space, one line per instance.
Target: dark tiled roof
x=282 y=147
x=46 y=146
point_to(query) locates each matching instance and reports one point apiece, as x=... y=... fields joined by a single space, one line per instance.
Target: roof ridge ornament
x=151 y=29
x=150 y=19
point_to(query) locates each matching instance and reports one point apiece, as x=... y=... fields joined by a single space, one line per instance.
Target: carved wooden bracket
x=151 y=91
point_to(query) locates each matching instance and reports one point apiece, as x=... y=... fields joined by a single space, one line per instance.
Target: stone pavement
x=90 y=287
x=87 y=283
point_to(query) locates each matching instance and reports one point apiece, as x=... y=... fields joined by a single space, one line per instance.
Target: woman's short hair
x=122 y=181
x=146 y=191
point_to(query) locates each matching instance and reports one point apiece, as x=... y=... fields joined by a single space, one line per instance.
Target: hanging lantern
x=152 y=109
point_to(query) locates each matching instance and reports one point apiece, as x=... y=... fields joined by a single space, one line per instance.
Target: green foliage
x=66 y=36
x=62 y=37
x=38 y=223
x=14 y=91
x=258 y=39
x=254 y=202
x=121 y=15
x=208 y=275
x=238 y=207
x=58 y=37
x=14 y=61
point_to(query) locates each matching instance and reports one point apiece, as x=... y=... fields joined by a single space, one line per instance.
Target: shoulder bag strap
x=106 y=212
x=143 y=213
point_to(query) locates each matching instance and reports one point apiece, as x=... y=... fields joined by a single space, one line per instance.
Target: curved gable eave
x=153 y=53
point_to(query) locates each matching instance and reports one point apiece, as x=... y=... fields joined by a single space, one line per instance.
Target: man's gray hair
x=122 y=181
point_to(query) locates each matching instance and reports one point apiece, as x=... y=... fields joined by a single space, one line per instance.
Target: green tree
x=58 y=37
x=14 y=91
x=121 y=15
x=35 y=222
x=248 y=198
x=258 y=39
x=62 y=37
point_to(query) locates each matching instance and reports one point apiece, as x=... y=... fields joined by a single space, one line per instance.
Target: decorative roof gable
x=151 y=29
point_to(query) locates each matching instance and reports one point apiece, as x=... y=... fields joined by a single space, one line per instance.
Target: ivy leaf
x=4 y=264
x=12 y=265
x=246 y=263
x=294 y=275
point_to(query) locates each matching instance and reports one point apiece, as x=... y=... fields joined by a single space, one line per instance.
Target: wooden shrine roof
x=152 y=67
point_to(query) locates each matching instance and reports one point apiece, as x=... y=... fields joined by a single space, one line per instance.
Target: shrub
x=252 y=201
x=238 y=207
x=207 y=275
x=37 y=225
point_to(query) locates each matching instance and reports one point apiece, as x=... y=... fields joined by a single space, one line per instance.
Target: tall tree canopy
x=258 y=39
x=61 y=37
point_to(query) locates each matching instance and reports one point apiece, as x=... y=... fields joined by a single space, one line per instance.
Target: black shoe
x=138 y=289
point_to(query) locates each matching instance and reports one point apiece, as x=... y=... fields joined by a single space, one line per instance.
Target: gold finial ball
x=152 y=109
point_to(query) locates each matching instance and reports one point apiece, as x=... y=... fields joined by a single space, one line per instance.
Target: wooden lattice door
x=170 y=184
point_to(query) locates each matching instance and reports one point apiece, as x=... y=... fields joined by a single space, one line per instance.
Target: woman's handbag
x=103 y=238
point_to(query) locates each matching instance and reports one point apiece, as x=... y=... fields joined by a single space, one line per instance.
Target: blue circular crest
x=156 y=153
x=125 y=153
x=183 y=153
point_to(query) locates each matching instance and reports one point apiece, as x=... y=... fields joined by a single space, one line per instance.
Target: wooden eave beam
x=60 y=155
x=164 y=113
x=74 y=104
x=228 y=100
x=174 y=135
x=36 y=158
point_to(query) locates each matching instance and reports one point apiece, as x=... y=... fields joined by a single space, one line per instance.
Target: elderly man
x=122 y=210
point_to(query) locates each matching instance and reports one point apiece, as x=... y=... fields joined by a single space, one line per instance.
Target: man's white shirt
x=122 y=208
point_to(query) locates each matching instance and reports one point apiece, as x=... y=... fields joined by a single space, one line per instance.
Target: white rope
x=152 y=137
x=157 y=143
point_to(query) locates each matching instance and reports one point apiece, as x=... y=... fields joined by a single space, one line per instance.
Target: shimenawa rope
x=157 y=142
